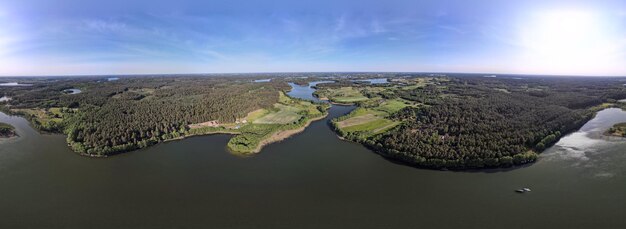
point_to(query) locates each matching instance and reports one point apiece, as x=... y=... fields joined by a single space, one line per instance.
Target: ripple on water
x=576 y=146
x=588 y=149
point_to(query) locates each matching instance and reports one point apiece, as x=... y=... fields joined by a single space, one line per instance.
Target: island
x=435 y=121
x=618 y=130
x=7 y=131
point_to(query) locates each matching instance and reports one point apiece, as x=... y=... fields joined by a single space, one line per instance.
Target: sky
x=82 y=37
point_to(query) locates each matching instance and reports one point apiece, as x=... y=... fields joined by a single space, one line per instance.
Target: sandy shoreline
x=282 y=135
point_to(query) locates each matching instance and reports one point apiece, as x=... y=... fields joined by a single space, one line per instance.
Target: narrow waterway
x=311 y=180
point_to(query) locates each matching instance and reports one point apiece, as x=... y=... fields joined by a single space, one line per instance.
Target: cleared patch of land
x=357 y=120
x=371 y=121
x=264 y=126
x=393 y=105
x=283 y=115
x=47 y=119
x=342 y=95
x=289 y=116
x=373 y=127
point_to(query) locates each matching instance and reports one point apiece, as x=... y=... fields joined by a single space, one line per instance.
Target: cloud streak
x=42 y=39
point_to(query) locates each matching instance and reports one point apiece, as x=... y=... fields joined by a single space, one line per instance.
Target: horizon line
x=298 y=72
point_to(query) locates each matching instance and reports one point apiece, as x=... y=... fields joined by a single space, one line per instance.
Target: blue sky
x=73 y=37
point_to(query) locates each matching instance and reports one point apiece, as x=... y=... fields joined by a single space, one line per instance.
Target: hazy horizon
x=566 y=38
x=309 y=72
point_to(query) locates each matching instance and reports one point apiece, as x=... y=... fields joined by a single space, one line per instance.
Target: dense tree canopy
x=477 y=122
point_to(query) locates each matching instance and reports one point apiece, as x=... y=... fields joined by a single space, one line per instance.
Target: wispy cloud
x=103 y=26
x=454 y=29
x=304 y=37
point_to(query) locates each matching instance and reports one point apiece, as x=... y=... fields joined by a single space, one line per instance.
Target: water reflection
x=14 y=84
x=72 y=91
x=374 y=81
x=589 y=148
x=305 y=92
x=262 y=80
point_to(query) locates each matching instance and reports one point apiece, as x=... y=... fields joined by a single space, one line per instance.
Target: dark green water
x=312 y=180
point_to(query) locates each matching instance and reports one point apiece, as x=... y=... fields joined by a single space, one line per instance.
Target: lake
x=14 y=84
x=262 y=80
x=306 y=92
x=4 y=99
x=374 y=81
x=72 y=91
x=312 y=180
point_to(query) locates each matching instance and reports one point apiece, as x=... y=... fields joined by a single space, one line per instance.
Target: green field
x=44 y=115
x=367 y=122
x=372 y=116
x=260 y=125
x=342 y=95
x=284 y=115
x=393 y=106
x=254 y=115
x=373 y=127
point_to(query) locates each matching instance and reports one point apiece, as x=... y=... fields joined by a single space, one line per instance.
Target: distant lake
x=112 y=79
x=262 y=80
x=374 y=81
x=72 y=91
x=305 y=92
x=4 y=98
x=14 y=84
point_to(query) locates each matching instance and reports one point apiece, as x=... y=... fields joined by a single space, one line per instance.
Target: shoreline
x=282 y=135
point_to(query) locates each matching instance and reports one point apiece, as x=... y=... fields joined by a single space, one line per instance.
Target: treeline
x=125 y=124
x=472 y=122
x=131 y=113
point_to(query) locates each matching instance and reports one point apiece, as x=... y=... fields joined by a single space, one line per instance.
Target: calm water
x=4 y=99
x=14 y=84
x=312 y=180
x=262 y=80
x=305 y=92
x=375 y=81
x=72 y=91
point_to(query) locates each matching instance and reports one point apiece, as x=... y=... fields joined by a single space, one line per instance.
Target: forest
x=432 y=121
x=476 y=122
x=111 y=117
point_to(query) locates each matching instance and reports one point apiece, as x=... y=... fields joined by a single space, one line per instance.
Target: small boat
x=526 y=189
x=523 y=190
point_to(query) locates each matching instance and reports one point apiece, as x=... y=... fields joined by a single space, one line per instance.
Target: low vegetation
x=618 y=130
x=265 y=126
x=6 y=130
x=341 y=95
